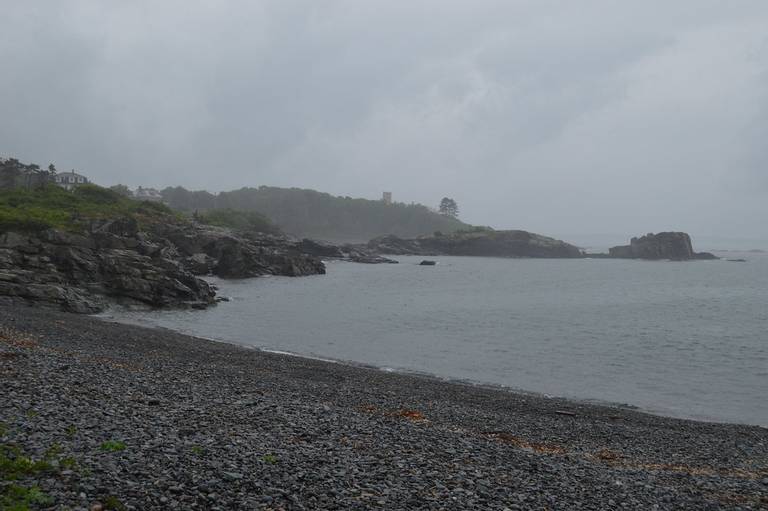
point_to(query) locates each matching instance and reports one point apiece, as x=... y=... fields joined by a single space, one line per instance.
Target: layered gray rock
x=78 y=274
x=222 y=252
x=117 y=262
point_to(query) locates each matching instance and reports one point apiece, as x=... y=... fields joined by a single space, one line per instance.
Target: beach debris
x=607 y=455
x=565 y=412
x=413 y=415
x=539 y=447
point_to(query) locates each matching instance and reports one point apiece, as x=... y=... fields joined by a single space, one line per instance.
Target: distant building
x=386 y=197
x=147 y=194
x=70 y=180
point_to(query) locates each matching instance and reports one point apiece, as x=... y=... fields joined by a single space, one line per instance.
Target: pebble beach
x=113 y=416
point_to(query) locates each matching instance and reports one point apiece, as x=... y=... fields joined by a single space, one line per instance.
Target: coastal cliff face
x=675 y=246
x=219 y=251
x=114 y=262
x=478 y=243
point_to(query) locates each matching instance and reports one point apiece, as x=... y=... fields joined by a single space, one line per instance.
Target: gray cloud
x=562 y=117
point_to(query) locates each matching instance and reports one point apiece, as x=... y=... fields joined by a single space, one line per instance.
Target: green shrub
x=51 y=206
x=97 y=195
x=112 y=503
x=14 y=465
x=112 y=446
x=270 y=459
x=20 y=498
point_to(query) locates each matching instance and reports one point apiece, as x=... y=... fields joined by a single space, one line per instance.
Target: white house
x=70 y=180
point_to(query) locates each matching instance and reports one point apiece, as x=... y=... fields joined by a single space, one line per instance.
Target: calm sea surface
x=681 y=339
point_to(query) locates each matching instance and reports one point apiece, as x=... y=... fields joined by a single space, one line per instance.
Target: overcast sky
x=562 y=117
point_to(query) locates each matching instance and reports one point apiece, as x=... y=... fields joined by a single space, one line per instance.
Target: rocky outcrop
x=478 y=243
x=79 y=274
x=222 y=252
x=117 y=262
x=674 y=246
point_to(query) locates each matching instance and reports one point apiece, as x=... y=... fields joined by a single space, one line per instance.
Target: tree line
x=14 y=174
x=313 y=214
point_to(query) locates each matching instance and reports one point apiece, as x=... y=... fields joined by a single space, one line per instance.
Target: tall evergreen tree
x=448 y=207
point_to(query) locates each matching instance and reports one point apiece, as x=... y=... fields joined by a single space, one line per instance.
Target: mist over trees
x=312 y=214
x=448 y=207
x=121 y=189
x=248 y=221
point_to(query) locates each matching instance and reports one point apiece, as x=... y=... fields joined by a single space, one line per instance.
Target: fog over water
x=570 y=118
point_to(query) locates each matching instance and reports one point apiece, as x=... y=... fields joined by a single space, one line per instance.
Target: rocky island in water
x=673 y=246
x=484 y=242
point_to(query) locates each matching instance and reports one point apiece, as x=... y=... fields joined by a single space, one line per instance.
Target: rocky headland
x=160 y=265
x=674 y=246
x=479 y=242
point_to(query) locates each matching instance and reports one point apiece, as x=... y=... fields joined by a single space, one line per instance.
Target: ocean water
x=681 y=339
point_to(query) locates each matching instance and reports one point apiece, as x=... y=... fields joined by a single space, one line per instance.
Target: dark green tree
x=449 y=208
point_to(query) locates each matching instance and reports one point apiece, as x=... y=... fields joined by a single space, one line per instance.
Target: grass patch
x=68 y=463
x=112 y=446
x=197 y=450
x=16 y=493
x=19 y=498
x=53 y=207
x=14 y=465
x=52 y=452
x=113 y=504
x=270 y=459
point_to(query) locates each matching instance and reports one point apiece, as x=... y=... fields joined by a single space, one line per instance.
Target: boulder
x=199 y=264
